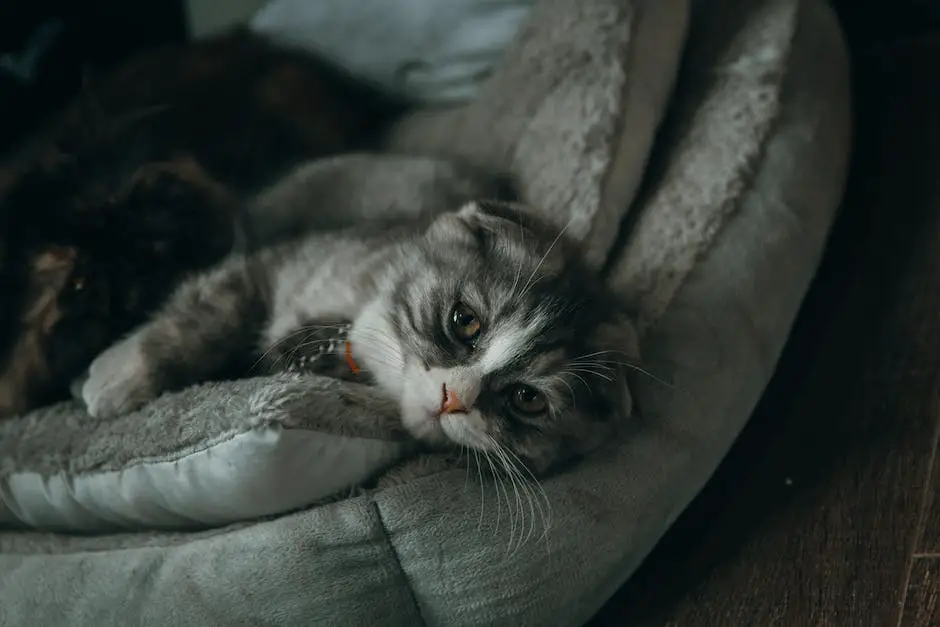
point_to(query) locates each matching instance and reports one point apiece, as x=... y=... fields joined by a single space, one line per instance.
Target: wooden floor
x=827 y=510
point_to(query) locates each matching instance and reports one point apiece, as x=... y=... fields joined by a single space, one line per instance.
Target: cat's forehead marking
x=508 y=341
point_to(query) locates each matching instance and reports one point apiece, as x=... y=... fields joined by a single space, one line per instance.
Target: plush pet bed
x=699 y=151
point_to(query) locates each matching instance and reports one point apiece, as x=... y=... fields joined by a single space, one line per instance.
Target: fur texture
x=484 y=324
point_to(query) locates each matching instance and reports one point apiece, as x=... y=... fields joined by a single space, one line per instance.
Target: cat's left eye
x=465 y=323
x=527 y=400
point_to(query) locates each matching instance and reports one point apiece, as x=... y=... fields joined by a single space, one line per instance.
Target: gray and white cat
x=484 y=324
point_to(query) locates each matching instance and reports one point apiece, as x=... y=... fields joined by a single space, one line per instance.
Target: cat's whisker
x=608 y=364
x=650 y=375
x=465 y=449
x=306 y=344
x=527 y=489
x=274 y=346
x=476 y=460
x=502 y=484
x=605 y=362
x=596 y=361
x=561 y=233
x=515 y=282
x=510 y=511
x=309 y=330
x=321 y=327
x=532 y=503
x=592 y=364
x=522 y=478
x=547 y=516
x=599 y=375
x=574 y=401
x=501 y=491
x=486 y=456
x=580 y=378
x=512 y=475
x=596 y=353
x=517 y=487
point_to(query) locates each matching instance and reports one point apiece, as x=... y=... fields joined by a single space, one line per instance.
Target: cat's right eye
x=527 y=400
x=465 y=323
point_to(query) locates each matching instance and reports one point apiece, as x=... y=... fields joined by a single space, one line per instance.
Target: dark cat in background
x=140 y=182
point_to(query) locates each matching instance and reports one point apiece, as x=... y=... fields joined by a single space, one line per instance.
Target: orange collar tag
x=350 y=361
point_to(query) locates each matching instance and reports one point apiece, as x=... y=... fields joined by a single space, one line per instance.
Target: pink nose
x=450 y=404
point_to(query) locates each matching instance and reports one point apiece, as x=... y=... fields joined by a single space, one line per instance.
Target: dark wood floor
x=827 y=510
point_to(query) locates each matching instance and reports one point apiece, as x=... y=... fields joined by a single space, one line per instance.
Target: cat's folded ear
x=455 y=226
x=475 y=222
x=483 y=212
x=518 y=220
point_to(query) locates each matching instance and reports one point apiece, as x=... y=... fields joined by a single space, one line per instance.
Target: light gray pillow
x=207 y=456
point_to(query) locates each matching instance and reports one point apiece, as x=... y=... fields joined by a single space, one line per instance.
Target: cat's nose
x=450 y=403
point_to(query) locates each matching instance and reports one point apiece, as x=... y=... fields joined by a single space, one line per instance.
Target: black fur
x=140 y=183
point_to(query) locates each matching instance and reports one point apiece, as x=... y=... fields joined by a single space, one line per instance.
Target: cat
x=484 y=324
x=141 y=182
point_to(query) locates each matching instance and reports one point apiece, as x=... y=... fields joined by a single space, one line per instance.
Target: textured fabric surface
x=209 y=455
x=727 y=105
x=331 y=565
x=428 y=50
x=573 y=111
x=444 y=549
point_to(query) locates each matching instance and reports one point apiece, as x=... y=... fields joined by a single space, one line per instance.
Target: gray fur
x=547 y=322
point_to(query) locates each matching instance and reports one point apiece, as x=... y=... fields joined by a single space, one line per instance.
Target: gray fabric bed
x=700 y=152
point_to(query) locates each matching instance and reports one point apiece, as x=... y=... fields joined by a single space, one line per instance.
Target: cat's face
x=495 y=337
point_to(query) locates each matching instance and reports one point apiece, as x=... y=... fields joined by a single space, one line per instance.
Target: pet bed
x=705 y=189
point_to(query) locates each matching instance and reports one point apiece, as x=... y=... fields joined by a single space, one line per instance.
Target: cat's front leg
x=206 y=329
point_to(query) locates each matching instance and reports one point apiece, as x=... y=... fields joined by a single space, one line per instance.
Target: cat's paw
x=119 y=380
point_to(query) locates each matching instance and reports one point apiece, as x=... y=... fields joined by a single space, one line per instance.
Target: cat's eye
x=465 y=323
x=528 y=400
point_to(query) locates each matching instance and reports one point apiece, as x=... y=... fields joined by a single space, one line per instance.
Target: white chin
x=466 y=430
x=424 y=428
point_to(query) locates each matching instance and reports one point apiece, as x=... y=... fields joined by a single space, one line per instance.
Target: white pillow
x=207 y=456
x=426 y=50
